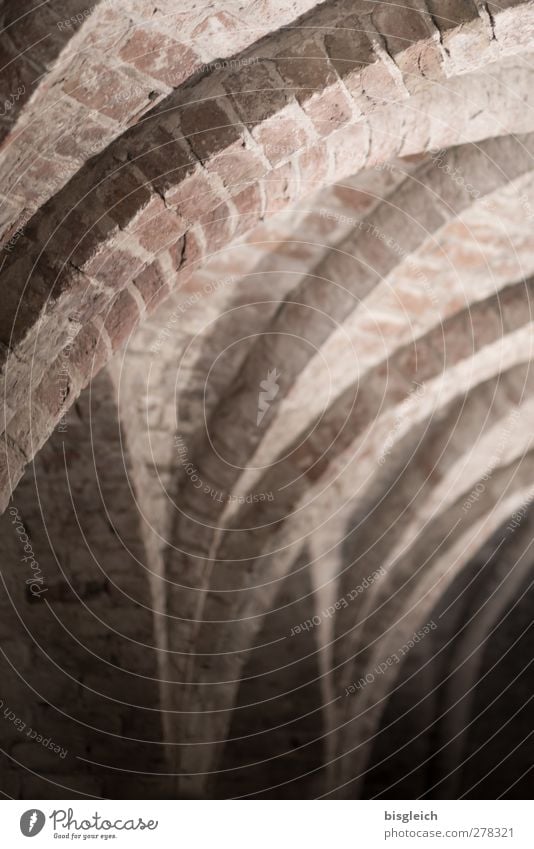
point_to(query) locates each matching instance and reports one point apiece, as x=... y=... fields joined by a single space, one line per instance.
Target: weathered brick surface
x=91 y=680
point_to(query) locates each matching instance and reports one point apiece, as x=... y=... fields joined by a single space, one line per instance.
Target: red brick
x=329 y=110
x=89 y=353
x=349 y=49
x=80 y=237
x=115 y=92
x=281 y=136
x=224 y=20
x=376 y=88
x=36 y=175
x=193 y=196
x=156 y=230
x=208 y=128
x=55 y=125
x=217 y=227
x=152 y=285
x=257 y=92
x=163 y=58
x=248 y=205
x=400 y=26
x=26 y=290
x=162 y=158
x=187 y=252
x=236 y=165
x=449 y=14
x=306 y=69
x=121 y=318
x=58 y=380
x=113 y=265
x=513 y=304
x=122 y=195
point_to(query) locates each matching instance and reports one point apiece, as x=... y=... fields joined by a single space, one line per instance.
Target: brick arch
x=252 y=599
x=438 y=340
x=369 y=567
x=109 y=273
x=332 y=290
x=102 y=65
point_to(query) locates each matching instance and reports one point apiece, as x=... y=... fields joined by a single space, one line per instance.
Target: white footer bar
x=268 y=824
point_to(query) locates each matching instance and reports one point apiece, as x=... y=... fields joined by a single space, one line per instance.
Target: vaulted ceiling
x=265 y=346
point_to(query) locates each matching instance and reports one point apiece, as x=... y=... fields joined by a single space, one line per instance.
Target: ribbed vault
x=265 y=345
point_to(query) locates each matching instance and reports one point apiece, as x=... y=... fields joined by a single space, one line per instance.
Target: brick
x=152 y=285
x=496 y=7
x=257 y=92
x=282 y=135
x=26 y=431
x=419 y=63
x=55 y=126
x=218 y=227
x=168 y=166
x=329 y=110
x=153 y=53
x=112 y=91
x=12 y=224
x=217 y=30
x=306 y=68
x=113 y=265
x=208 y=128
x=377 y=88
x=26 y=291
x=81 y=238
x=122 y=194
x=193 y=196
x=449 y=14
x=467 y=47
x=188 y=252
x=12 y=464
x=89 y=353
x=237 y=165
x=36 y=175
x=248 y=206
x=121 y=319
x=399 y=26
x=50 y=394
x=350 y=50
x=419 y=360
x=157 y=227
